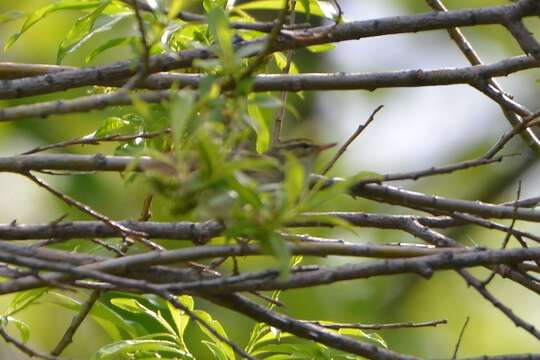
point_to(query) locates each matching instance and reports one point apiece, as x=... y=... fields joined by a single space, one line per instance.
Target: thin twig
x=278 y=123
x=458 y=344
x=474 y=59
x=92 y=140
x=477 y=284
x=357 y=132
x=23 y=348
x=526 y=124
x=144 y=65
x=388 y=326
x=76 y=322
x=508 y=234
x=124 y=231
x=269 y=42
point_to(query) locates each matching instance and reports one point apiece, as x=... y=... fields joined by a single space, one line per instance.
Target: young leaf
x=136 y=307
x=106 y=317
x=307 y=6
x=224 y=349
x=84 y=30
x=119 y=126
x=24 y=299
x=109 y=45
x=210 y=5
x=218 y=25
x=45 y=11
x=216 y=350
x=22 y=327
x=79 y=31
x=182 y=111
x=175 y=7
x=257 y=121
x=180 y=318
x=314 y=6
x=375 y=338
x=294 y=180
x=281 y=252
x=321 y=48
x=123 y=349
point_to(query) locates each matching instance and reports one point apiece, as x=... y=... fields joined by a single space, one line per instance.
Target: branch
x=270 y=82
x=197 y=232
x=23 y=348
x=293 y=39
x=398 y=196
x=475 y=283
x=400 y=325
x=303 y=329
x=423 y=266
x=325 y=337
x=76 y=322
x=485 y=86
x=93 y=140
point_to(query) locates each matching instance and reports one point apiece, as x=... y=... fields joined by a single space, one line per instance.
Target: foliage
x=214 y=158
x=210 y=166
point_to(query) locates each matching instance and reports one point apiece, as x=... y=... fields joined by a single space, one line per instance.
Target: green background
x=386 y=299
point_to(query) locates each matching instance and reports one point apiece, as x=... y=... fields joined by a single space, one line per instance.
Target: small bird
x=304 y=150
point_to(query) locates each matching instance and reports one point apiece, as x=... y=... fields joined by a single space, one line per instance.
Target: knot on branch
x=203 y=232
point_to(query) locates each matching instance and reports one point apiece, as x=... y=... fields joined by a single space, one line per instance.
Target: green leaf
x=106 y=317
x=142 y=107
x=210 y=5
x=47 y=10
x=281 y=63
x=180 y=318
x=119 y=126
x=123 y=349
x=218 y=352
x=374 y=337
x=22 y=327
x=24 y=299
x=294 y=179
x=248 y=194
x=84 y=30
x=79 y=31
x=314 y=8
x=11 y=16
x=223 y=348
x=281 y=252
x=259 y=124
x=307 y=6
x=175 y=7
x=321 y=48
x=182 y=113
x=109 y=45
x=210 y=155
x=135 y=307
x=218 y=26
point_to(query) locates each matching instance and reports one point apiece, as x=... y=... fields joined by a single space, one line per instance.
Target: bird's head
x=300 y=148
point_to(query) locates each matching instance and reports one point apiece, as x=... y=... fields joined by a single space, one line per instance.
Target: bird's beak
x=323 y=147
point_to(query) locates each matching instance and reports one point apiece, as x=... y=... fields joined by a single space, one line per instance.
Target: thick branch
x=424 y=266
x=97 y=229
x=294 y=39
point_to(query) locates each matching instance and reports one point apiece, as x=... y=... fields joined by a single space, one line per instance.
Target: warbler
x=304 y=150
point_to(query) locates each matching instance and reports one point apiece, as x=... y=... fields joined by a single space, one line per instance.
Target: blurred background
x=417 y=128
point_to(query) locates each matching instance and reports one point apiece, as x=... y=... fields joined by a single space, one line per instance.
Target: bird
x=304 y=150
